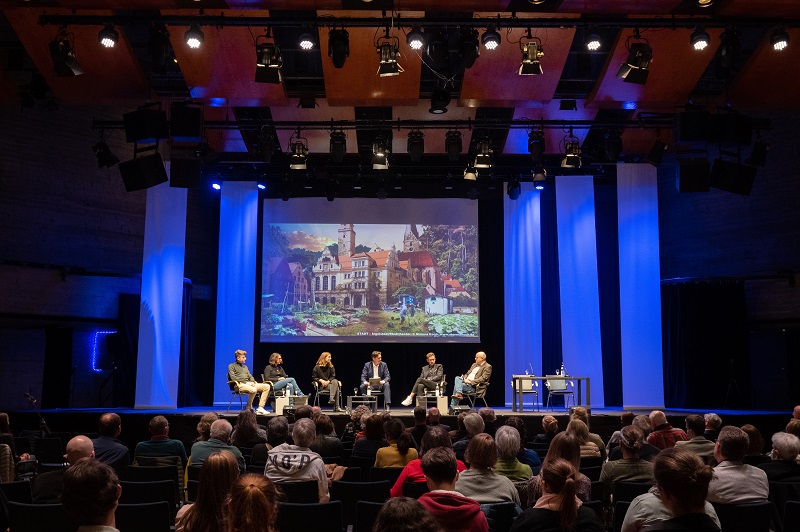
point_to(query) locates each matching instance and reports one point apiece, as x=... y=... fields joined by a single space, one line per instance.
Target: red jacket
x=412 y=472
x=455 y=512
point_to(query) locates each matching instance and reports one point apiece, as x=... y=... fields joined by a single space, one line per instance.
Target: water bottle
x=369 y=390
x=562 y=372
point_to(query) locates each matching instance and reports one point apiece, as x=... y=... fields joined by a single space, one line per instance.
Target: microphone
x=30 y=398
x=531 y=366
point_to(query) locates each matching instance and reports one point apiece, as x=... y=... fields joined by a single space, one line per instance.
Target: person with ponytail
x=558 y=509
x=252 y=505
x=630 y=467
x=401 y=449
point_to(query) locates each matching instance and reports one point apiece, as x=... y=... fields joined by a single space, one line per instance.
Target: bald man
x=473 y=381
x=47 y=487
x=663 y=435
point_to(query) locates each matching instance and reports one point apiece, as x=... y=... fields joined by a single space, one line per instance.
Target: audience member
x=697 y=443
x=524 y=455
x=683 y=482
x=454 y=511
x=420 y=425
x=160 y=443
x=204 y=426
x=646 y=452
x=208 y=513
x=460 y=431
x=473 y=423
x=277 y=433
x=298 y=462
x=247 y=433
x=219 y=439
x=403 y=514
x=325 y=444
x=796 y=413
x=625 y=420
x=550 y=427
x=564 y=446
x=354 y=426
x=400 y=450
x=435 y=437
x=630 y=467
x=580 y=412
x=507 y=440
x=480 y=482
x=7 y=437
x=784 y=466
x=712 y=425
x=558 y=509
x=91 y=495
x=735 y=482
x=367 y=447
x=793 y=427
x=755 y=451
x=489 y=420
x=663 y=435
x=47 y=487
x=252 y=505
x=107 y=448
x=578 y=428
x=434 y=418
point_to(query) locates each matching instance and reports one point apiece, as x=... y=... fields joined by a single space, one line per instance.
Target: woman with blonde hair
x=579 y=429
x=324 y=375
x=217 y=474
x=252 y=505
x=558 y=509
x=550 y=427
x=682 y=481
x=630 y=467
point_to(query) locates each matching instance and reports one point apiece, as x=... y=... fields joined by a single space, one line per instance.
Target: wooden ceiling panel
x=224 y=66
x=318 y=140
x=619 y=7
x=111 y=76
x=674 y=71
x=222 y=140
x=770 y=78
x=517 y=141
x=358 y=83
x=761 y=8
x=636 y=140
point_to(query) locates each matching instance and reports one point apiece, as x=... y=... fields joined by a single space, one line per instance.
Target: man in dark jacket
x=429 y=378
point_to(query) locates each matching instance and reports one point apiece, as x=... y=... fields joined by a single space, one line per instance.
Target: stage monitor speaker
x=145 y=125
x=692 y=126
x=143 y=172
x=186 y=122
x=186 y=173
x=694 y=175
x=733 y=177
x=456 y=410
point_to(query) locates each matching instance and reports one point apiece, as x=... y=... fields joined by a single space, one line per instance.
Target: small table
x=281 y=402
x=370 y=400
x=440 y=401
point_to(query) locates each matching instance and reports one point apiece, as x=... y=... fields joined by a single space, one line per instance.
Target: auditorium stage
x=183 y=421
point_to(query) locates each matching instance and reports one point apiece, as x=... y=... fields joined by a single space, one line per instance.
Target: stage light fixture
x=267 y=144
x=338 y=47
x=440 y=99
x=338 y=146
x=388 y=53
x=730 y=48
x=416 y=145
x=64 y=56
x=572 y=151
x=490 y=38
x=330 y=189
x=415 y=38
x=612 y=144
x=531 y=53
x=298 y=147
x=536 y=144
x=268 y=62
x=286 y=188
x=779 y=39
x=656 y=153
x=108 y=36
x=216 y=185
x=159 y=48
x=539 y=177
x=469 y=49
x=306 y=41
x=699 y=38
x=705 y=3
x=470 y=173
x=193 y=36
x=483 y=156
x=261 y=186
x=513 y=189
x=380 y=154
x=105 y=159
x=592 y=41
x=636 y=67
x=453 y=145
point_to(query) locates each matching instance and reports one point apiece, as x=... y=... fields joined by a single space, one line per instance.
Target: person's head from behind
x=277 y=430
x=473 y=423
x=158 y=426
x=732 y=444
x=109 y=425
x=756 y=447
x=630 y=441
x=793 y=427
x=558 y=478
x=5 y=423
x=79 y=447
x=695 y=425
x=508 y=443
x=221 y=430
x=433 y=416
x=404 y=514
x=204 y=426
x=549 y=424
x=579 y=429
x=217 y=474
x=565 y=445
x=252 y=504
x=713 y=421
x=373 y=427
x=682 y=480
x=91 y=492
x=626 y=419
x=434 y=437
x=785 y=446
x=657 y=418
x=581 y=413
x=642 y=422
x=303 y=412
x=519 y=424
x=481 y=452
x=488 y=415
x=439 y=466
x=324 y=425
x=420 y=415
x=394 y=428
x=303 y=432
x=358 y=413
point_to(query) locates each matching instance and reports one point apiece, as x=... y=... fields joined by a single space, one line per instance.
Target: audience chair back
x=414 y=489
x=791 y=516
x=292 y=516
x=592 y=472
x=363 y=464
x=349 y=493
x=782 y=492
x=500 y=515
x=620 y=509
x=145 y=517
x=385 y=473
x=366 y=514
x=749 y=517
x=157 y=461
x=300 y=492
x=50 y=450
x=153 y=491
x=627 y=490
x=39 y=518
x=351 y=474
x=17 y=491
x=191 y=490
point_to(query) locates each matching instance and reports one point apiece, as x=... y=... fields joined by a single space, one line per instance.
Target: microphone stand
x=43 y=428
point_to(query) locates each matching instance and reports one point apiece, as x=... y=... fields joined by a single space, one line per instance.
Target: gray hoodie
x=287 y=463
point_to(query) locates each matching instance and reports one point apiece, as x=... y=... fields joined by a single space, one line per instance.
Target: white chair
x=560 y=385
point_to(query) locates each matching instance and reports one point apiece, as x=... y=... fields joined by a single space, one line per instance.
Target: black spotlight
x=416 y=145
x=536 y=144
x=267 y=144
x=514 y=189
x=194 y=36
x=656 y=154
x=699 y=39
x=105 y=159
x=779 y=39
x=268 y=63
x=159 y=47
x=338 y=47
x=470 y=50
x=388 y=53
x=612 y=144
x=62 y=51
x=415 y=39
x=730 y=48
x=338 y=146
x=490 y=38
x=440 y=99
x=453 y=145
x=108 y=36
x=636 y=68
